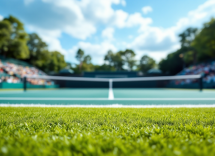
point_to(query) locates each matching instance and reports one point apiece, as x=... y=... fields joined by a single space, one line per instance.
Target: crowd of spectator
x=207 y=70
x=13 y=73
x=9 y=79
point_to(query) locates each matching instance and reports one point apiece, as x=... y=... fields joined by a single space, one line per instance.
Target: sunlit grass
x=107 y=131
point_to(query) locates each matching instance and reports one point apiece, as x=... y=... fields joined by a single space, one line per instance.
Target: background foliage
x=16 y=43
x=196 y=46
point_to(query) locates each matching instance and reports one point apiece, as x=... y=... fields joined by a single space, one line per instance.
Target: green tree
x=13 y=39
x=114 y=60
x=84 y=62
x=38 y=49
x=80 y=57
x=172 y=64
x=146 y=63
x=186 y=39
x=109 y=58
x=87 y=64
x=41 y=57
x=129 y=58
x=118 y=62
x=55 y=62
x=87 y=59
x=205 y=41
x=5 y=31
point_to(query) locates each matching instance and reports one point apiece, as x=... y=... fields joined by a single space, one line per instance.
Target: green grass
x=107 y=131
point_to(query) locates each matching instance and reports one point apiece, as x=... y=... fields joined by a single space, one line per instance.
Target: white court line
x=110 y=96
x=63 y=99
x=126 y=99
x=164 y=99
x=111 y=106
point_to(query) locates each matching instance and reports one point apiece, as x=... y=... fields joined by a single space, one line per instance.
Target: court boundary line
x=116 y=99
x=110 y=106
x=110 y=95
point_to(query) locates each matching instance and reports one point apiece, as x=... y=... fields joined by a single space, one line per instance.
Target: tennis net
x=136 y=82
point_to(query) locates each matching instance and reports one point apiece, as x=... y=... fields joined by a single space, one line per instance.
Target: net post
x=24 y=83
x=201 y=83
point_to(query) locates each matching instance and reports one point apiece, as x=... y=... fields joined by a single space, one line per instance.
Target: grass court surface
x=101 y=97
x=107 y=131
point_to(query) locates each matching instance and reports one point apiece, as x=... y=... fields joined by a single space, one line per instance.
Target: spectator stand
x=13 y=71
x=206 y=69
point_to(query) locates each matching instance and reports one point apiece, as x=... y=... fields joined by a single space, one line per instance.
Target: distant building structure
x=66 y=71
x=154 y=72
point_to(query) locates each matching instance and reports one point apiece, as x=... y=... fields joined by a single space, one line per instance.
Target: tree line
x=118 y=61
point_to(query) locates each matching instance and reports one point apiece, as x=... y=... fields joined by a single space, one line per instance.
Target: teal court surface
x=108 y=97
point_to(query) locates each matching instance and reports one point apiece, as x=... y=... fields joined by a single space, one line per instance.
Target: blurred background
x=111 y=38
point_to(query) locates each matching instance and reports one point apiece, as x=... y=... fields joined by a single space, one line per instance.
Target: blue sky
x=147 y=26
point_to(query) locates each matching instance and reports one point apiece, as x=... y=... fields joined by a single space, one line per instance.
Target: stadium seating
x=12 y=72
x=207 y=70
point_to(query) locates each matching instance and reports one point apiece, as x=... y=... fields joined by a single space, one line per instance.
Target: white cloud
x=158 y=42
x=73 y=19
x=80 y=19
x=119 y=18
x=80 y=30
x=122 y=19
x=27 y=2
x=154 y=41
x=108 y=33
x=130 y=36
x=157 y=56
x=136 y=19
x=147 y=9
x=1 y=17
x=98 y=51
x=97 y=11
x=76 y=18
x=123 y=2
x=196 y=17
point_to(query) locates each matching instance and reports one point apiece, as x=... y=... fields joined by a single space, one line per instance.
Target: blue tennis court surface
x=102 y=97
